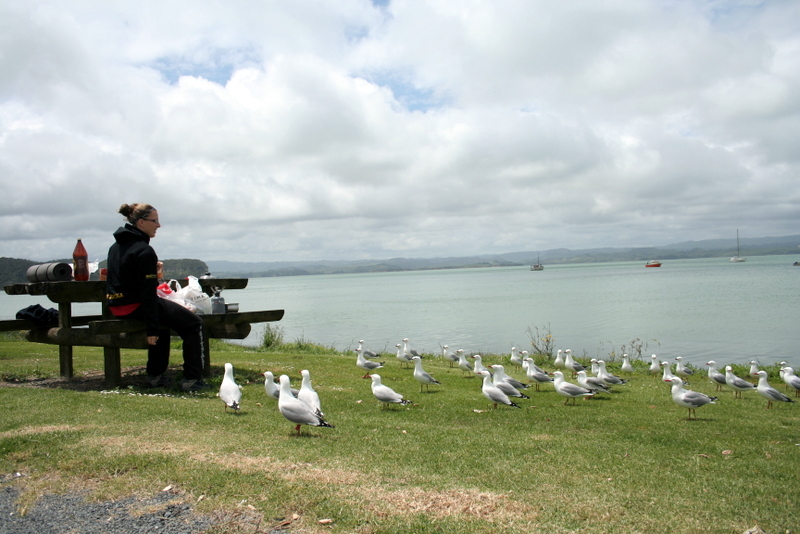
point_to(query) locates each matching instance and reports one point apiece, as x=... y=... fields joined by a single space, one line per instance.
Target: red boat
x=653 y=263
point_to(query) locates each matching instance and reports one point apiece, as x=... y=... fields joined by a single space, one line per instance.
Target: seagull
x=537 y=375
x=608 y=378
x=571 y=364
x=366 y=352
x=753 y=369
x=408 y=351
x=272 y=388
x=558 y=363
x=515 y=358
x=681 y=370
x=501 y=371
x=626 y=364
x=307 y=393
x=530 y=366
x=402 y=357
x=493 y=393
x=667 y=376
x=768 y=392
x=568 y=390
x=595 y=367
x=478 y=366
x=502 y=385
x=365 y=364
x=463 y=364
x=451 y=357
x=655 y=366
x=780 y=372
x=791 y=380
x=593 y=382
x=385 y=394
x=422 y=377
x=297 y=411
x=229 y=391
x=715 y=376
x=737 y=384
x=688 y=398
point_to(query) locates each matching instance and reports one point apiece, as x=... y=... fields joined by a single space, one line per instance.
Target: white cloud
x=314 y=130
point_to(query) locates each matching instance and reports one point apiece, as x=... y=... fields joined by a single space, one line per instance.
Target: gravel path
x=72 y=513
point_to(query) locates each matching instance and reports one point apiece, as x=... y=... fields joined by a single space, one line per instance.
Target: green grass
x=449 y=463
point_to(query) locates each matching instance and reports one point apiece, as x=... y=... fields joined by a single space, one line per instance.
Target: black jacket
x=132 y=274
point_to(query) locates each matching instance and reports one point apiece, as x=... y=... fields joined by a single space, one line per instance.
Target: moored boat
x=737 y=258
x=653 y=263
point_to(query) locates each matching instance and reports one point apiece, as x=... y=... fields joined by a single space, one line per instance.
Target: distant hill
x=13 y=270
x=712 y=248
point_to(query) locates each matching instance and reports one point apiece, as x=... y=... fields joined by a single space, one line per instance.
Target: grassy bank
x=624 y=462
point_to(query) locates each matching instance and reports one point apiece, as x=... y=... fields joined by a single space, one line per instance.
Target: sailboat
x=737 y=258
x=538 y=265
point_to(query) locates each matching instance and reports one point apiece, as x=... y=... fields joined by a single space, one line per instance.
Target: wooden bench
x=114 y=334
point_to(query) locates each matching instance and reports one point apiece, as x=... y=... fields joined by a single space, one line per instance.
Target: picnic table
x=104 y=330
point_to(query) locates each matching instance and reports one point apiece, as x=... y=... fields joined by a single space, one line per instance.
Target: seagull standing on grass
x=667 y=376
x=422 y=377
x=626 y=364
x=681 y=370
x=385 y=394
x=768 y=392
x=688 y=398
x=409 y=352
x=515 y=358
x=402 y=357
x=451 y=357
x=608 y=378
x=737 y=384
x=502 y=385
x=307 y=393
x=478 y=368
x=493 y=393
x=593 y=382
x=536 y=375
x=367 y=353
x=791 y=380
x=463 y=364
x=273 y=389
x=572 y=365
x=367 y=365
x=297 y=411
x=229 y=391
x=715 y=376
x=753 y=369
x=655 y=366
x=500 y=373
x=568 y=390
x=558 y=363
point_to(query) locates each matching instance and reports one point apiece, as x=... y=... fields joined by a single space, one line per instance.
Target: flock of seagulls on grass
x=303 y=406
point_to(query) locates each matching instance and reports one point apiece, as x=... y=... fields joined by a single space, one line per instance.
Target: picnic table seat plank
x=114 y=334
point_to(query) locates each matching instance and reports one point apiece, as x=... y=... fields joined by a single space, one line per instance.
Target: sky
x=267 y=130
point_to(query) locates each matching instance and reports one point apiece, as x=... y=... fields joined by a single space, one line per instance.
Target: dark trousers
x=187 y=324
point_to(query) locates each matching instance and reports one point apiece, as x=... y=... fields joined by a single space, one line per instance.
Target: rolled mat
x=49 y=272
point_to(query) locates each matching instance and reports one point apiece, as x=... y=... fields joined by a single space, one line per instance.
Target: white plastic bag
x=193 y=294
x=170 y=291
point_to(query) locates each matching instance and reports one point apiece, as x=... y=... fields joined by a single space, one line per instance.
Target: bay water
x=700 y=309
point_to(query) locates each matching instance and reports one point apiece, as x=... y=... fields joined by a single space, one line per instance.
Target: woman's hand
x=152 y=340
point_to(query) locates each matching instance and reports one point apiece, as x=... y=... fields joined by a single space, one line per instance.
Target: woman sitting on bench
x=131 y=294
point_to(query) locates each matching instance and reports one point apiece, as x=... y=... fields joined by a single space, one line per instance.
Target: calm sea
x=700 y=309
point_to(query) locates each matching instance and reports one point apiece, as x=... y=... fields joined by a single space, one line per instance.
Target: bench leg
x=65 y=351
x=113 y=369
x=65 y=360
